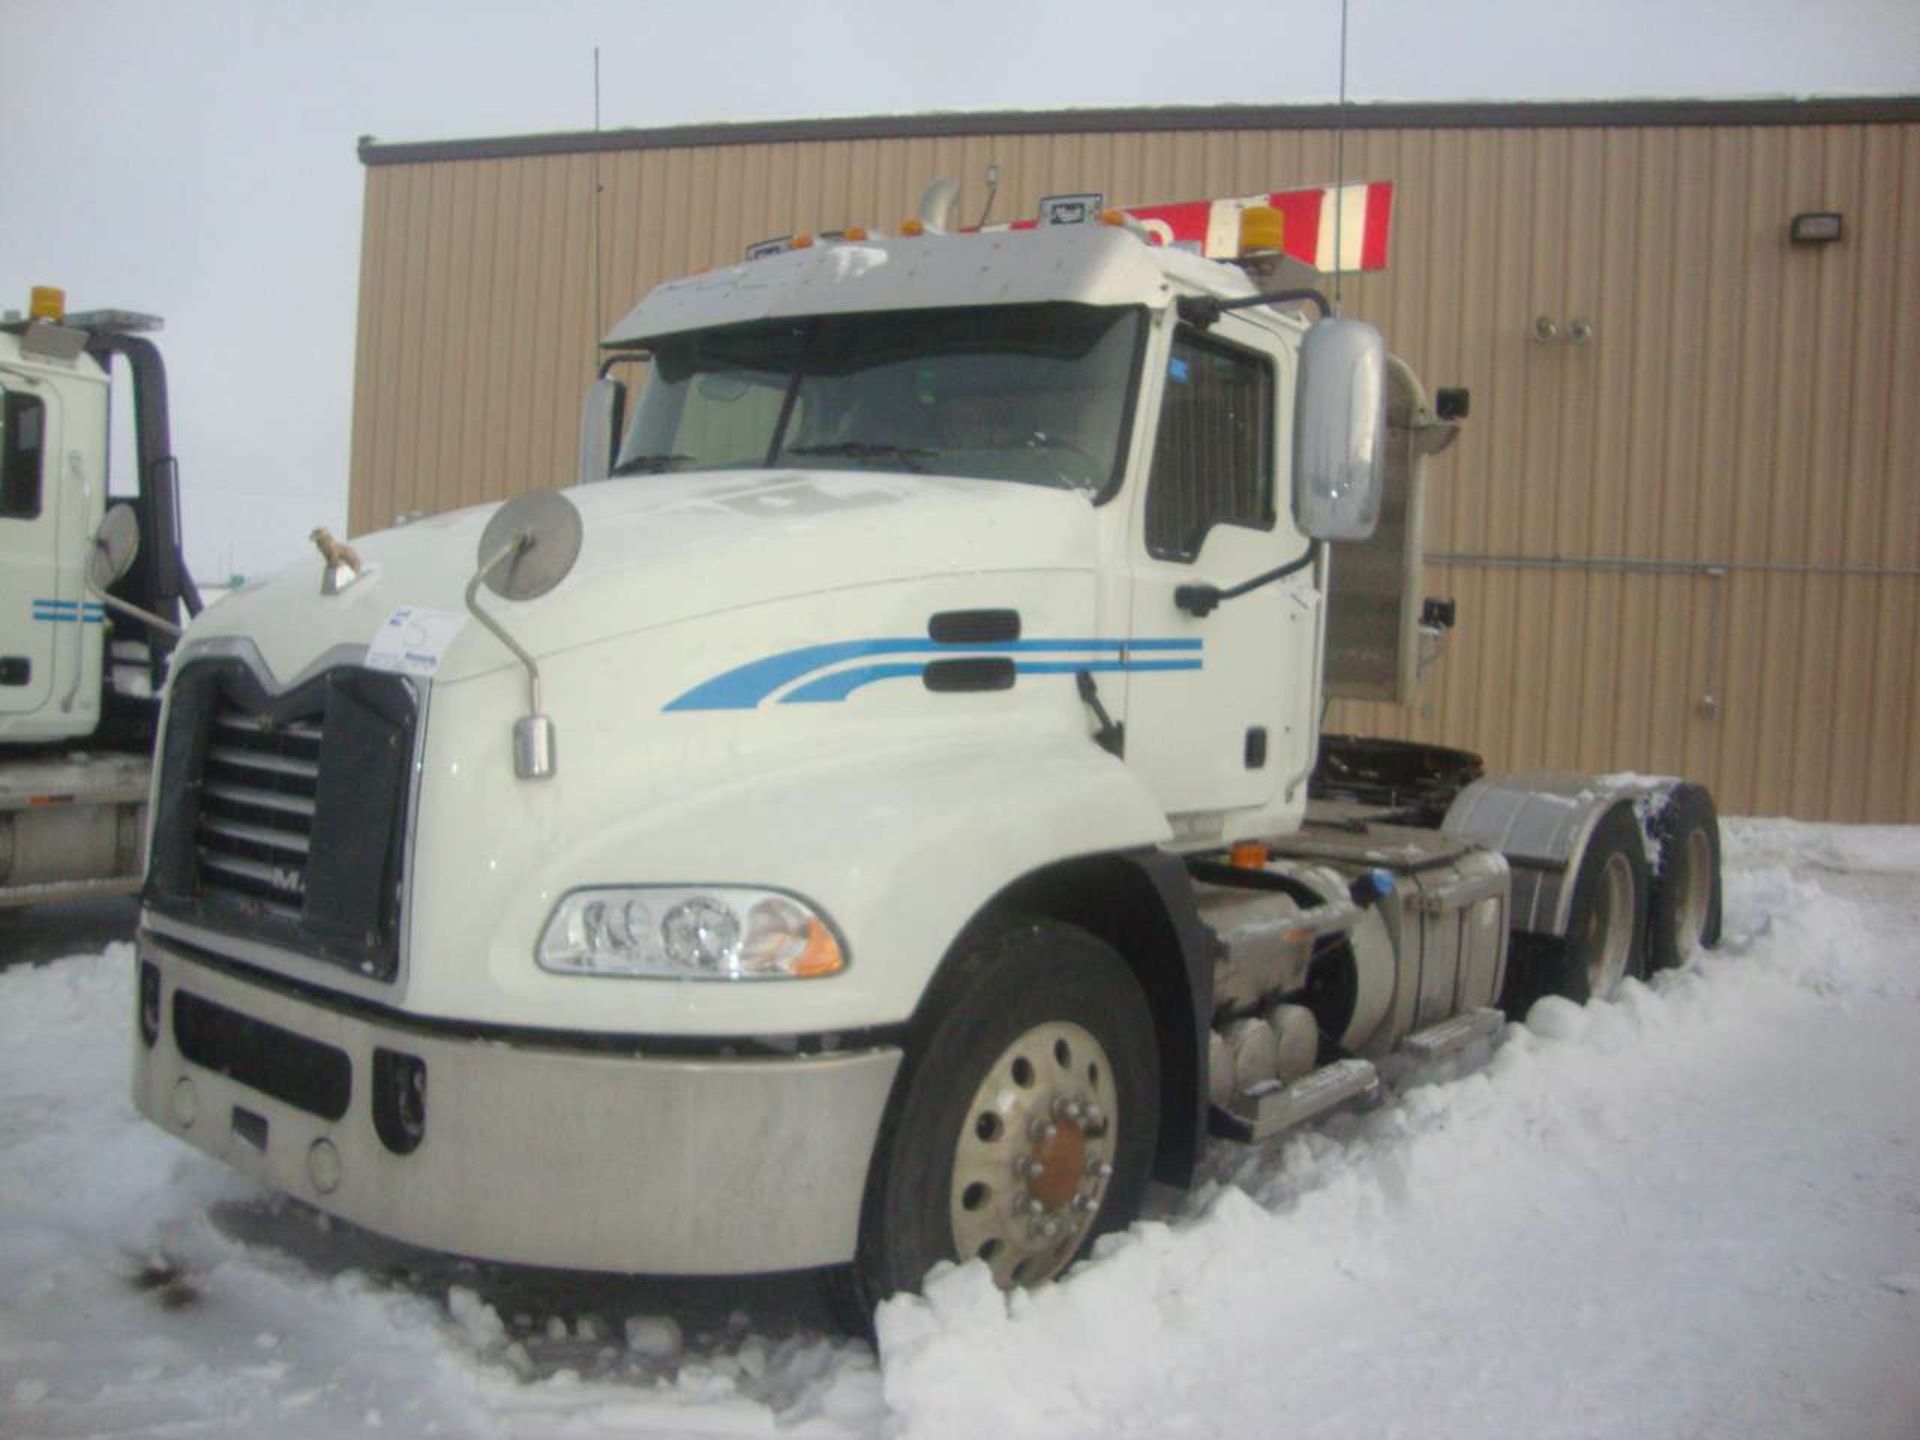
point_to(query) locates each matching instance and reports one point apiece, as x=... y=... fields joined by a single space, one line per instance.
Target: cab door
x=36 y=614
x=1220 y=706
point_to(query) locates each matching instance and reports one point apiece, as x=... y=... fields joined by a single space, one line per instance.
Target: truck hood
x=667 y=548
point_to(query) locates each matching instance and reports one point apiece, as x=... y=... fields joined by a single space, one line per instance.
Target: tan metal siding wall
x=1742 y=404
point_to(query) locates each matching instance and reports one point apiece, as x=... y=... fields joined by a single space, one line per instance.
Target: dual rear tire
x=1685 y=915
x=1627 y=917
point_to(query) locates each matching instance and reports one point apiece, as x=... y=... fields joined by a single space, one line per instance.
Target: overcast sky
x=197 y=160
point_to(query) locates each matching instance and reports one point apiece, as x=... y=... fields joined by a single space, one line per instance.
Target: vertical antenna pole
x=1340 y=164
x=595 y=336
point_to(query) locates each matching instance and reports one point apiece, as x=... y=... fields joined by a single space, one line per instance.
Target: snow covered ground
x=1694 y=1212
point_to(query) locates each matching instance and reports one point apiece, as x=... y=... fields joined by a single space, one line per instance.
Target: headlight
x=687 y=934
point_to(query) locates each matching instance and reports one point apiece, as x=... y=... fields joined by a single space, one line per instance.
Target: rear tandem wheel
x=1685 y=916
x=1606 y=937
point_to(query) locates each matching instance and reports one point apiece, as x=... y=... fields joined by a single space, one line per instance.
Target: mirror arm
x=1201 y=600
x=505 y=552
x=1205 y=310
x=146 y=617
x=117 y=521
x=621 y=357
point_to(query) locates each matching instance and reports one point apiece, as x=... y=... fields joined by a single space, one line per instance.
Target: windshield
x=1033 y=393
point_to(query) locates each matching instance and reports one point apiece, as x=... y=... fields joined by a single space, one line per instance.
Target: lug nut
x=1094 y=1119
x=1043 y=1130
x=1026 y=1167
x=1065 y=1109
x=1100 y=1168
x=1033 y=1205
x=1084 y=1203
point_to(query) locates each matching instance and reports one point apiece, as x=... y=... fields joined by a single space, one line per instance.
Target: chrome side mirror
x=528 y=547
x=600 y=416
x=1340 y=430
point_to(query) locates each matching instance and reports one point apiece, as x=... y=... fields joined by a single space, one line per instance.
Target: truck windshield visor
x=1038 y=394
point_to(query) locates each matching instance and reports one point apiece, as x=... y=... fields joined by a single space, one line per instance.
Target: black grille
x=257 y=796
x=282 y=817
x=305 y=1073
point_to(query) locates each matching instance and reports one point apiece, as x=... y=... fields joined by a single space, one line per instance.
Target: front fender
x=899 y=847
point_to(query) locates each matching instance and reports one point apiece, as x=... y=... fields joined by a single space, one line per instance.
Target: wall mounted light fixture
x=1815 y=227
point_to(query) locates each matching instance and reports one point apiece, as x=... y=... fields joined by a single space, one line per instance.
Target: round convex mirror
x=116 y=544
x=542 y=531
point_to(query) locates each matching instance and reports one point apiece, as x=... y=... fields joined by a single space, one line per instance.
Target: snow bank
x=1860 y=849
x=1694 y=1211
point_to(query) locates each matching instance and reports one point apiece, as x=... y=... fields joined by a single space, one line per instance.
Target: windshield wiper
x=862 y=450
x=650 y=464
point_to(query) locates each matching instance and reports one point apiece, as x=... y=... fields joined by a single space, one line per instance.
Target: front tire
x=1024 y=1122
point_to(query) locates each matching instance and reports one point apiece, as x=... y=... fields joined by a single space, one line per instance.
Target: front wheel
x=1025 y=1118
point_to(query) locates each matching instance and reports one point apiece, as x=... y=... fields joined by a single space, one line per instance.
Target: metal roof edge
x=1448 y=114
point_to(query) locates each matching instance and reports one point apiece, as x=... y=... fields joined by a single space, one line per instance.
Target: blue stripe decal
x=842 y=683
x=56 y=611
x=746 y=686
x=1102 y=666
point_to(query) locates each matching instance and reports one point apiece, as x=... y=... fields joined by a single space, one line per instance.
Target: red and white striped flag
x=1360 y=215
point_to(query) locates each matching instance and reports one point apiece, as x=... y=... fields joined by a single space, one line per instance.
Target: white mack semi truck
x=879 y=815
x=89 y=606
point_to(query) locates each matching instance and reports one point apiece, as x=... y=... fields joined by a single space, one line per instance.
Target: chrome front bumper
x=534 y=1155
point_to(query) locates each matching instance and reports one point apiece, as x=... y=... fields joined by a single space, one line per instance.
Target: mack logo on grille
x=287 y=880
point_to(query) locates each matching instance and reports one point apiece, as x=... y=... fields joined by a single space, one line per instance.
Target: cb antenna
x=595 y=327
x=1340 y=164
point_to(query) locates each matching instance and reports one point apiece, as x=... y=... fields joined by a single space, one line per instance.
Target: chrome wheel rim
x=1609 y=936
x=1035 y=1155
x=1695 y=897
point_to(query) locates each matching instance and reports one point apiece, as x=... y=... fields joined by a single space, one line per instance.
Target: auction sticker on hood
x=413 y=640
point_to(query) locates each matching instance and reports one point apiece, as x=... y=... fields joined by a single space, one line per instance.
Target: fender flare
x=1542 y=821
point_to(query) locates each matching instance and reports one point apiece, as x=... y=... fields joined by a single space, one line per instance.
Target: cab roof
x=1073 y=264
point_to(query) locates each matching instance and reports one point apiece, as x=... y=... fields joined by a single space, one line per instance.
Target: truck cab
x=53 y=432
x=866 y=821
x=83 y=649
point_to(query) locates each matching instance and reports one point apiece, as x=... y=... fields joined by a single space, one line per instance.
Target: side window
x=23 y=424
x=1213 y=456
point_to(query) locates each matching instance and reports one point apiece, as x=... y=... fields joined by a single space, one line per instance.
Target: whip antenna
x=1340 y=163
x=596 y=198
